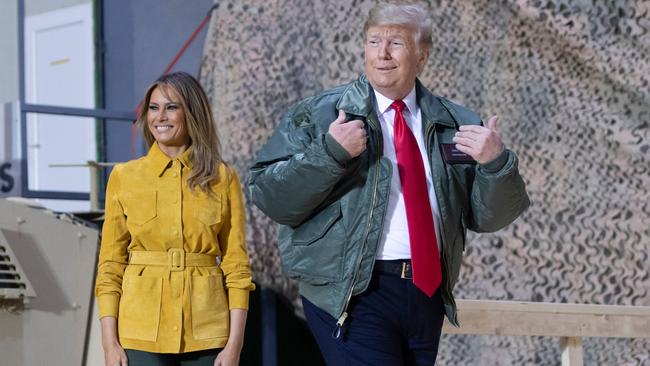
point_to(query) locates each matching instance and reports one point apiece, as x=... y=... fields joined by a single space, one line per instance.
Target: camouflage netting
x=570 y=82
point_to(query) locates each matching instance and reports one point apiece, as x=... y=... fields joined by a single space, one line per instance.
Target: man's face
x=392 y=60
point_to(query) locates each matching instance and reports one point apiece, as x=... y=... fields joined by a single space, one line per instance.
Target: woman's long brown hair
x=206 y=148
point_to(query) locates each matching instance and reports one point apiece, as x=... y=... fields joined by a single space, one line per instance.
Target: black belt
x=400 y=268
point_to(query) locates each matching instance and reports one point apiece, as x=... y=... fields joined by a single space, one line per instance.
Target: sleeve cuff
x=108 y=305
x=497 y=164
x=336 y=150
x=238 y=298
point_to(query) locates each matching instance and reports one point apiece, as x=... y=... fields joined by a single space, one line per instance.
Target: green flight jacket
x=331 y=207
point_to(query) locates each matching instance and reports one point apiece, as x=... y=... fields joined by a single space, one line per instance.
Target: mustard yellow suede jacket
x=173 y=261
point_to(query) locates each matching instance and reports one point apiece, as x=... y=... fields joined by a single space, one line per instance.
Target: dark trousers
x=198 y=358
x=392 y=323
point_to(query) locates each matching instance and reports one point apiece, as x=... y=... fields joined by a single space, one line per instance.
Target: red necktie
x=425 y=258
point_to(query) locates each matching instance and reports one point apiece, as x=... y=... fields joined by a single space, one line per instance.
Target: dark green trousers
x=198 y=358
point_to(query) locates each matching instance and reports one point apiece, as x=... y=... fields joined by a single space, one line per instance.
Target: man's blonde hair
x=410 y=15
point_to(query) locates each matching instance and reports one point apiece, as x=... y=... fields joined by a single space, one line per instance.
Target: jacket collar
x=159 y=162
x=357 y=99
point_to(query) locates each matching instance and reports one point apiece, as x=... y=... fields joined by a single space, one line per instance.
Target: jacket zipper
x=339 y=323
x=429 y=135
x=443 y=259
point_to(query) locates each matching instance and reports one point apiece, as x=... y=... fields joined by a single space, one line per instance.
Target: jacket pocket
x=210 y=314
x=139 y=314
x=140 y=207
x=318 y=247
x=207 y=209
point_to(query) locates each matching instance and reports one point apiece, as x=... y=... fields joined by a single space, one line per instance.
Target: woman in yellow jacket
x=173 y=275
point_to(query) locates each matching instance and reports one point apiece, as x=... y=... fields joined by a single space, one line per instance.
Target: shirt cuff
x=337 y=151
x=108 y=305
x=238 y=298
x=497 y=163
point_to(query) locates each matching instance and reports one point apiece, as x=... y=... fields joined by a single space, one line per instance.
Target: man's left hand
x=482 y=143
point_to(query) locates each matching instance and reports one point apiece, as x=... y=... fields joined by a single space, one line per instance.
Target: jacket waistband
x=175 y=259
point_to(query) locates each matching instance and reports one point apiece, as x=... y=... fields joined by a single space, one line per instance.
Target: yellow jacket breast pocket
x=140 y=207
x=206 y=211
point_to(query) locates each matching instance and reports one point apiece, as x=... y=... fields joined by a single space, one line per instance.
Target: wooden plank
x=547 y=319
x=549 y=307
x=571 y=351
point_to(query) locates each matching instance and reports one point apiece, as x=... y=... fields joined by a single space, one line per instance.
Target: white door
x=59 y=71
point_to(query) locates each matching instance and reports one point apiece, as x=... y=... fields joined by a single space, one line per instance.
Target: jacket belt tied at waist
x=176 y=259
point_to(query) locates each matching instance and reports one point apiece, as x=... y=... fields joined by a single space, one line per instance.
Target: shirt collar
x=160 y=162
x=383 y=103
x=357 y=99
x=185 y=158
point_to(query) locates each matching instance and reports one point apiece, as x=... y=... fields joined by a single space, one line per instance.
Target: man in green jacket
x=374 y=185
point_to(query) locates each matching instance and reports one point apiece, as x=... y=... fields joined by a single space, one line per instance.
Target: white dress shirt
x=394 y=242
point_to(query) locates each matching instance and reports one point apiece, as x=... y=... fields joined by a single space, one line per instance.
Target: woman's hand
x=114 y=354
x=229 y=356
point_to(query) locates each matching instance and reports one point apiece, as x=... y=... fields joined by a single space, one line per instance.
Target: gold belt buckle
x=176 y=259
x=404 y=273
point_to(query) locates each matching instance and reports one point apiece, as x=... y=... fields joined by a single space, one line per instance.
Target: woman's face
x=166 y=118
